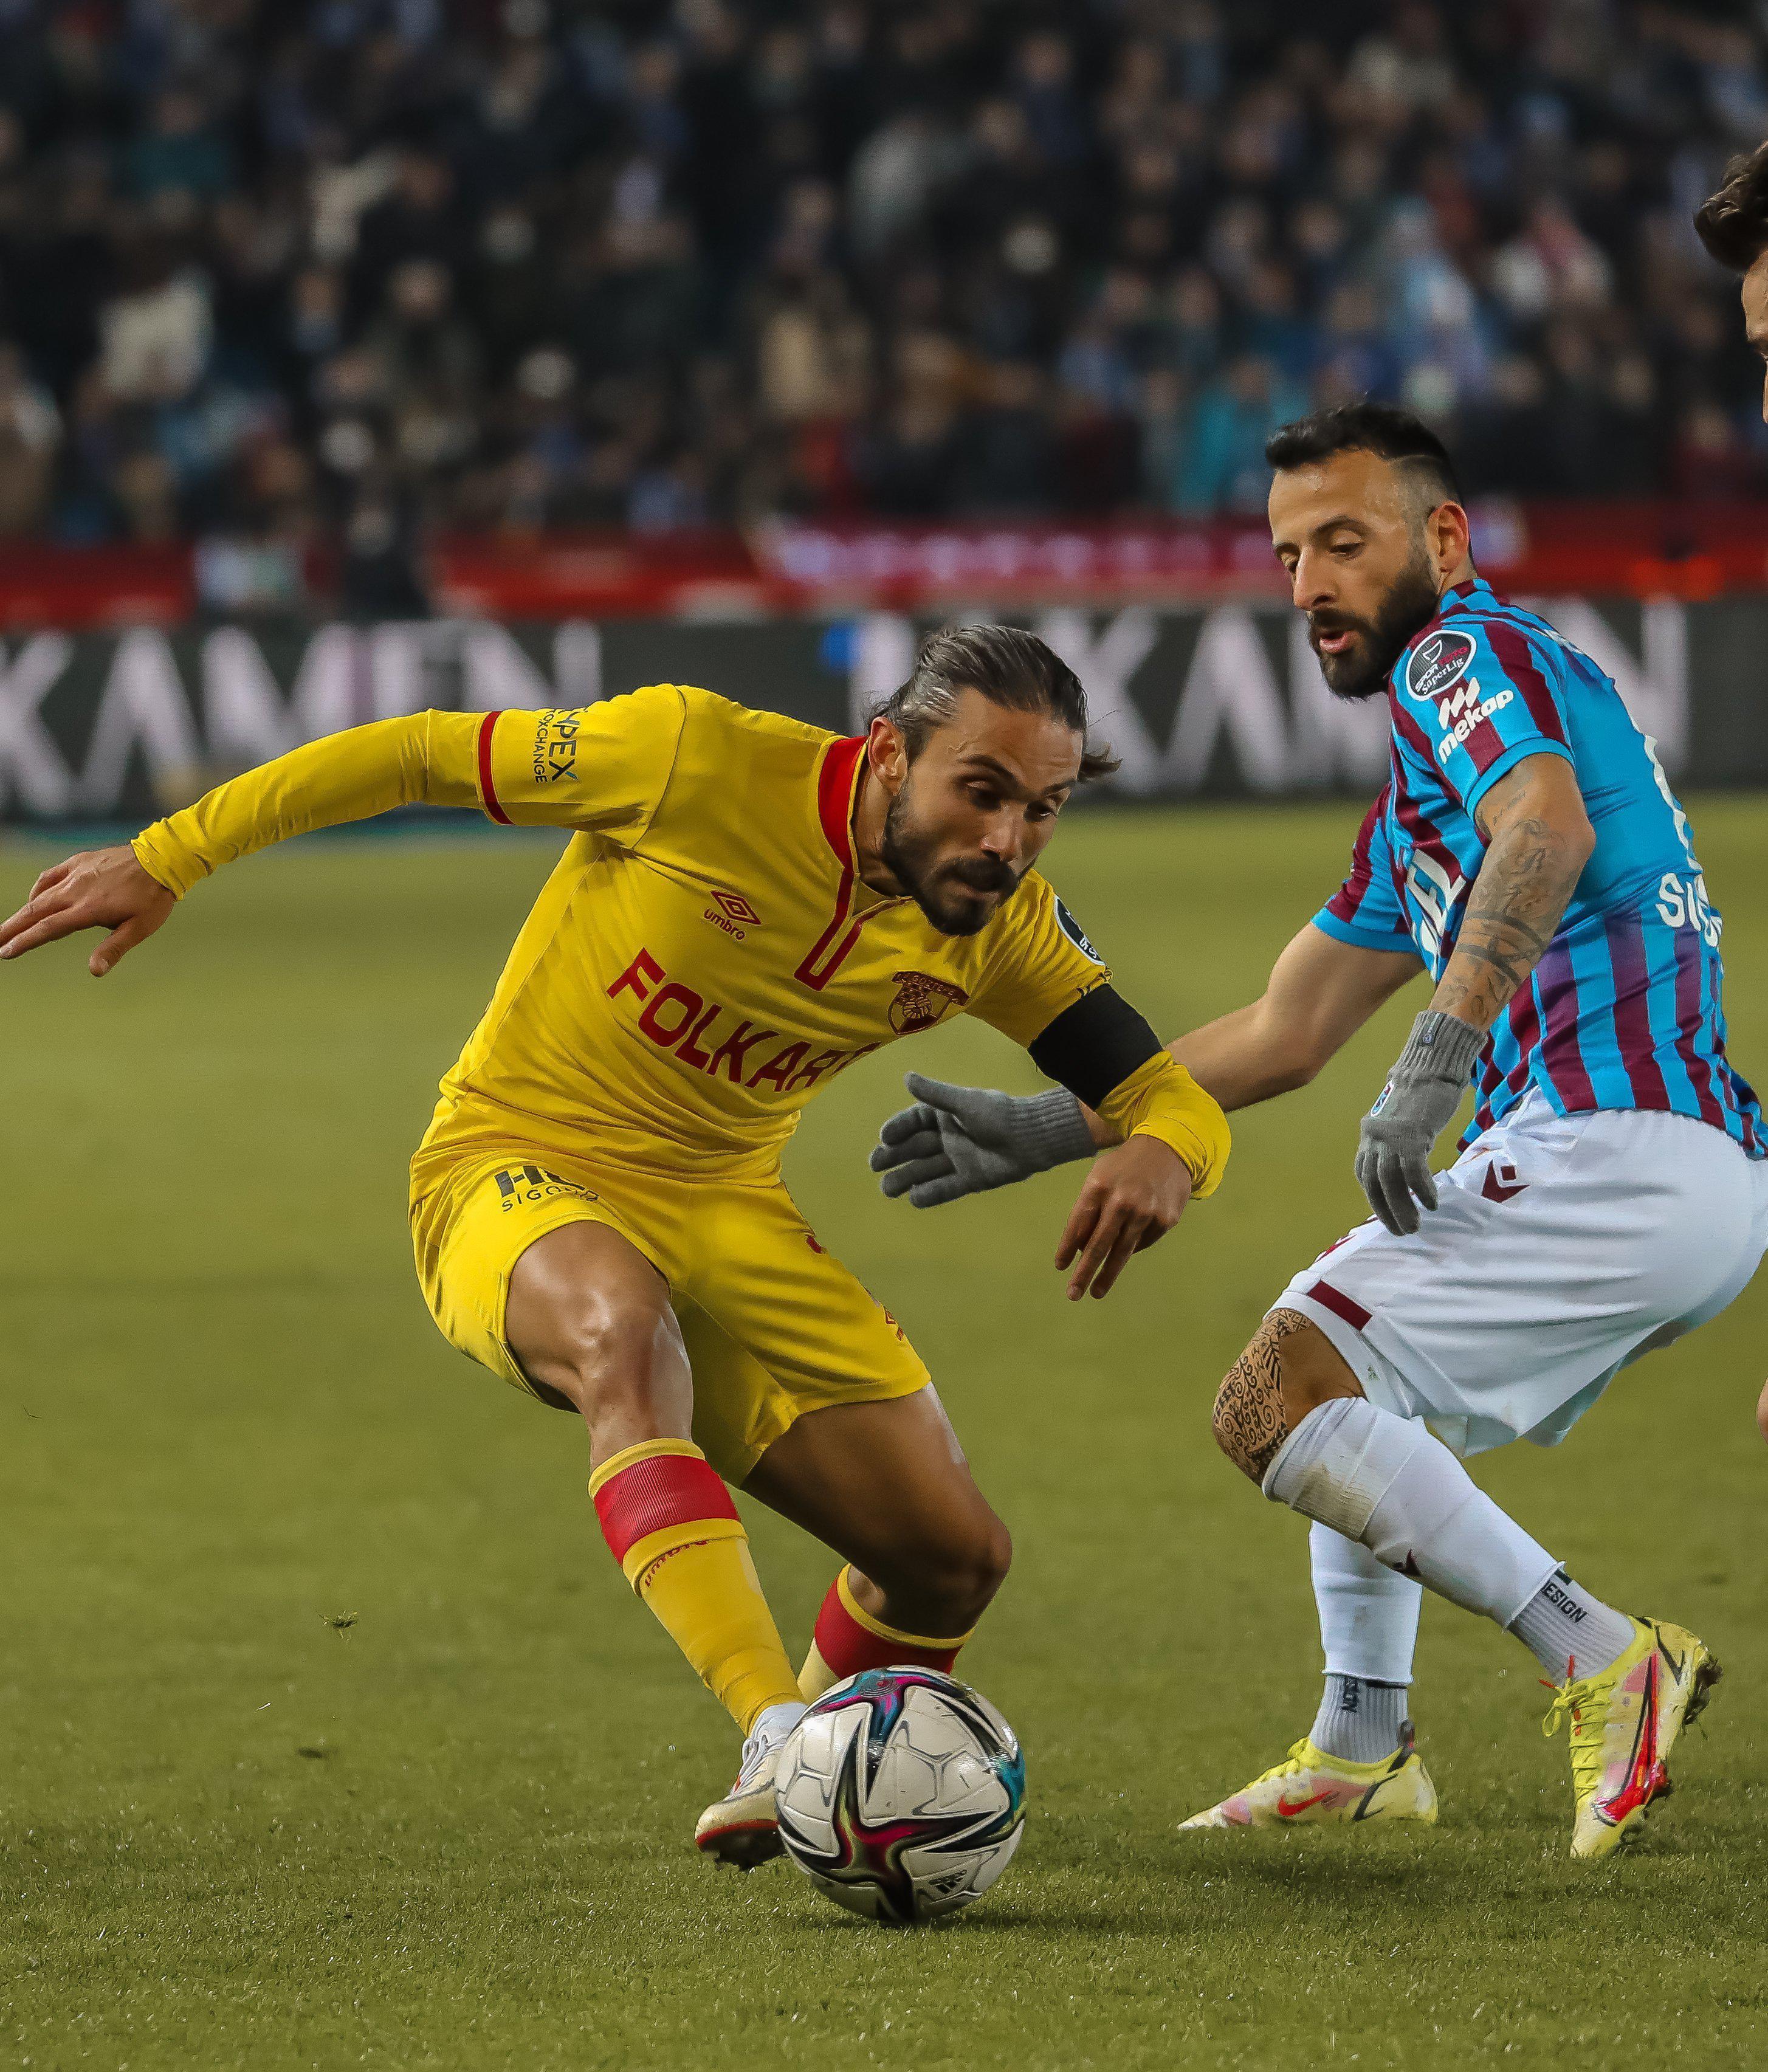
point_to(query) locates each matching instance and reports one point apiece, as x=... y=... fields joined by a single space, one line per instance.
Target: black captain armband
x=1093 y=1047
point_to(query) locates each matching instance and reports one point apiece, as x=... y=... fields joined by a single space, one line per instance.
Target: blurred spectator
x=1008 y=465
x=176 y=151
x=812 y=353
x=29 y=435
x=379 y=574
x=1221 y=460
x=154 y=337
x=354 y=270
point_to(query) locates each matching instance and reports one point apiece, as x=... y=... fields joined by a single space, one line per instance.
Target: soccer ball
x=902 y=1794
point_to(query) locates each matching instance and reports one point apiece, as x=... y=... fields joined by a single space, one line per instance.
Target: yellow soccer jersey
x=705 y=955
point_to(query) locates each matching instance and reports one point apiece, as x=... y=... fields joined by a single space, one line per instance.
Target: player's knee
x=1290 y=1368
x=982 y=1565
x=945 y=1581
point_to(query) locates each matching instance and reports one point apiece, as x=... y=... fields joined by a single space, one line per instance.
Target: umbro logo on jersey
x=1438 y=664
x=733 y=914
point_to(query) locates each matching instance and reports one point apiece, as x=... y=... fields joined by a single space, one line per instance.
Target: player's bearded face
x=957 y=892
x=1357 y=652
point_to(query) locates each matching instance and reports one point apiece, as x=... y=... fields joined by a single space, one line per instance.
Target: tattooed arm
x=1539 y=838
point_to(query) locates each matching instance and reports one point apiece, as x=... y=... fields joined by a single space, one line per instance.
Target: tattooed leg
x=1290 y=1368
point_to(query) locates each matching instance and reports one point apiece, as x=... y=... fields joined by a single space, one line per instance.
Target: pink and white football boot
x=1312 y=1789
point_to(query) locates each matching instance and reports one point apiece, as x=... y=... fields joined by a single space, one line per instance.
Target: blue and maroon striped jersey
x=1623 y=1011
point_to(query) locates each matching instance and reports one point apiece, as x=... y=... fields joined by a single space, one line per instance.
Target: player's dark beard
x=1361 y=671
x=946 y=893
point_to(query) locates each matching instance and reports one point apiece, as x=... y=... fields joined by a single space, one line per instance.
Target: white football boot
x=743 y=1827
x=1312 y=1789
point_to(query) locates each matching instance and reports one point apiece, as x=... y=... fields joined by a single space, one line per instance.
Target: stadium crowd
x=270 y=271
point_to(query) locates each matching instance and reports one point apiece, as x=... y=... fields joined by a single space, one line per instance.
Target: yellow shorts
x=774 y=1325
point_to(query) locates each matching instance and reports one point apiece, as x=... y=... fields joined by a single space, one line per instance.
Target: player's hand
x=958 y=1141
x=100 y=888
x=1423 y=1092
x=1133 y=1196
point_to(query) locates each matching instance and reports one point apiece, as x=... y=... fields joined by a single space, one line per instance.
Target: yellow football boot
x=1623 y=1723
x=1312 y=1789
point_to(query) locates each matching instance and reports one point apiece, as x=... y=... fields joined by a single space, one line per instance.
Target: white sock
x=1570 y=1633
x=1368 y=1614
x=1386 y=1482
x=1358 y=1721
x=1368 y=1629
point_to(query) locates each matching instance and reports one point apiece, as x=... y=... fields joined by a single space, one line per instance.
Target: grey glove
x=1422 y=1093
x=958 y=1141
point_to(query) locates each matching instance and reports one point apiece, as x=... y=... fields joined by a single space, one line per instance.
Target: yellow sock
x=671 y=1526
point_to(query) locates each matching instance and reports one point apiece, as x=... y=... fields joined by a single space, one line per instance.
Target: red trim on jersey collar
x=836 y=784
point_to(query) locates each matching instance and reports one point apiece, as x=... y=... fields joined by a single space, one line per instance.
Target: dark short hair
x=1009 y=668
x=1733 y=223
x=1383 y=429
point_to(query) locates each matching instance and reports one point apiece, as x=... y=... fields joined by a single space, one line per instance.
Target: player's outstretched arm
x=347 y=776
x=1320 y=992
x=600 y=770
x=958 y=1140
x=100 y=888
x=1539 y=838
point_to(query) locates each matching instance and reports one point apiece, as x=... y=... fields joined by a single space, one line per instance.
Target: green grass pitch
x=235 y=1831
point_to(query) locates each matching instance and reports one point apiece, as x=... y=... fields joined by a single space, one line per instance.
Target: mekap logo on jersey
x=1465 y=710
x=1437 y=674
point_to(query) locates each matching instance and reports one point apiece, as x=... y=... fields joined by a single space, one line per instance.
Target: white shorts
x=1563 y=1246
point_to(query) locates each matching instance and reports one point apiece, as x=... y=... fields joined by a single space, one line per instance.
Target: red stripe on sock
x=1329 y=1298
x=668 y=1489
x=848 y=1647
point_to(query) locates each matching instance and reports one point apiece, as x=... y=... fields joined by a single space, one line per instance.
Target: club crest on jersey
x=1438 y=664
x=1076 y=934
x=921 y=1000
